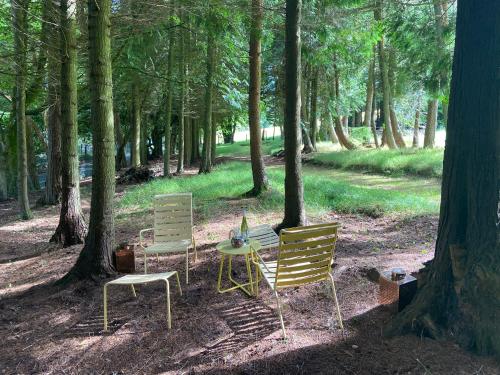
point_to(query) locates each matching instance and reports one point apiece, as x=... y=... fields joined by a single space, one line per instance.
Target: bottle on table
x=244 y=227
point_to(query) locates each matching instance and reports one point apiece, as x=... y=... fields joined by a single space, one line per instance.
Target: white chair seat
x=168 y=247
x=142 y=279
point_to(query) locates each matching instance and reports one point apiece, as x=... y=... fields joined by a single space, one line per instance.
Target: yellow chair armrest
x=141 y=233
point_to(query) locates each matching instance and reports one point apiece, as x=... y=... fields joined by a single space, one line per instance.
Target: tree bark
x=398 y=137
x=72 y=227
x=121 y=160
x=260 y=181
x=314 y=108
x=389 y=137
x=33 y=182
x=20 y=27
x=95 y=259
x=416 y=126
x=213 y=139
x=373 y=116
x=167 y=149
x=206 y=158
x=430 y=126
x=135 y=148
x=182 y=102
x=195 y=148
x=294 y=190
x=342 y=137
x=331 y=129
x=52 y=116
x=460 y=292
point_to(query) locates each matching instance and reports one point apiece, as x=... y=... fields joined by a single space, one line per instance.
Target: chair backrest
x=173 y=217
x=305 y=254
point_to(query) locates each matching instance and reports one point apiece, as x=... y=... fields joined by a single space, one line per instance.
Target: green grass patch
x=214 y=192
x=421 y=162
x=241 y=149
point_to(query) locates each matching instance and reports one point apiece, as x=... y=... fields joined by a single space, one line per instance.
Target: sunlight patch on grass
x=421 y=162
x=213 y=193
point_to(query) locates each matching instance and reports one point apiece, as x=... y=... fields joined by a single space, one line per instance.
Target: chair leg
x=133 y=290
x=257 y=274
x=187 y=266
x=145 y=263
x=339 y=317
x=219 y=278
x=280 y=313
x=195 y=251
x=105 y=300
x=169 y=319
x=158 y=258
x=178 y=282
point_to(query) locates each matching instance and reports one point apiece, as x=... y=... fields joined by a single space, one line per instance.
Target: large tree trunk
x=195 y=139
x=135 y=148
x=52 y=116
x=386 y=90
x=260 y=182
x=430 y=126
x=206 y=158
x=20 y=27
x=33 y=183
x=95 y=260
x=4 y=193
x=72 y=227
x=369 y=93
x=213 y=140
x=373 y=117
x=167 y=149
x=460 y=292
x=295 y=214
x=314 y=108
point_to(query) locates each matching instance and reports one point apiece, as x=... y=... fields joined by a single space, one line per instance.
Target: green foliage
x=421 y=162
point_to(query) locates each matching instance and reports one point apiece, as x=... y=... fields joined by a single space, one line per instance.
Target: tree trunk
x=342 y=137
x=52 y=116
x=386 y=90
x=314 y=108
x=206 y=158
x=72 y=227
x=369 y=94
x=135 y=149
x=460 y=292
x=294 y=190
x=416 y=126
x=34 y=184
x=121 y=159
x=430 y=126
x=20 y=27
x=168 y=114
x=95 y=260
x=373 y=117
x=143 y=145
x=182 y=102
x=4 y=193
x=187 y=141
x=260 y=182
x=331 y=129
x=195 y=148
x=398 y=137
x=213 y=139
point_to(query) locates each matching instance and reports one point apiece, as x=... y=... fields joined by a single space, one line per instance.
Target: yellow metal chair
x=173 y=228
x=305 y=256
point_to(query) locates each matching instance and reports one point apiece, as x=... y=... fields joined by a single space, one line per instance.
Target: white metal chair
x=305 y=256
x=173 y=228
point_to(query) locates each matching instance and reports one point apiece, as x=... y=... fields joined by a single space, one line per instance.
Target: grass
x=421 y=162
x=213 y=193
x=240 y=149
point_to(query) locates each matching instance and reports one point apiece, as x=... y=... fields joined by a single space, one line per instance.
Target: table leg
x=169 y=319
x=220 y=273
x=249 y=272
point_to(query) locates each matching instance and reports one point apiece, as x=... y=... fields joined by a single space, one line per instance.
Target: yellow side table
x=225 y=248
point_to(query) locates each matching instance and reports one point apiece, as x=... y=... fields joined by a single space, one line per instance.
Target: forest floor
x=47 y=329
